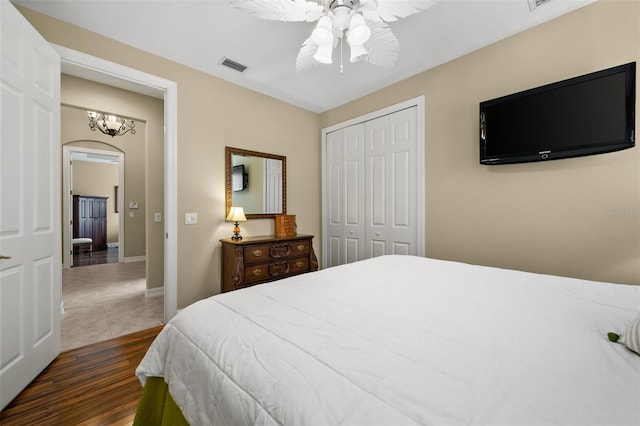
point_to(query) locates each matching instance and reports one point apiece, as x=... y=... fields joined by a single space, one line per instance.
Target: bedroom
x=553 y=215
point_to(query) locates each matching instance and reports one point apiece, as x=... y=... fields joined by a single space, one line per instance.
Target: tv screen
x=590 y=114
x=238 y=178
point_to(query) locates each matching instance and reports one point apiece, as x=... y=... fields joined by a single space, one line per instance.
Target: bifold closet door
x=345 y=173
x=390 y=184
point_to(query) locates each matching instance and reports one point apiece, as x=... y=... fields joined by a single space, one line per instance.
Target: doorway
x=112 y=189
x=103 y=71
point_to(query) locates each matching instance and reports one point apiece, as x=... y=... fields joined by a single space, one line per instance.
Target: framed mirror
x=255 y=181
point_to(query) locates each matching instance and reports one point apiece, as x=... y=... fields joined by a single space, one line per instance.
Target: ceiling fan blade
x=382 y=46
x=281 y=10
x=305 y=60
x=392 y=10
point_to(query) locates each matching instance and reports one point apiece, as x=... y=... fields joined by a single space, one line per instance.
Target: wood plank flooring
x=92 y=385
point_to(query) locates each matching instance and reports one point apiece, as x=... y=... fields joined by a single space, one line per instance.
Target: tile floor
x=106 y=301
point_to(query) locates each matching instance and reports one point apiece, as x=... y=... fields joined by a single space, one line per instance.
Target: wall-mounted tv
x=239 y=178
x=590 y=114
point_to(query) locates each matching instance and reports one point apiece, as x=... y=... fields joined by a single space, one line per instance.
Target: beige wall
x=98 y=179
x=559 y=217
x=212 y=114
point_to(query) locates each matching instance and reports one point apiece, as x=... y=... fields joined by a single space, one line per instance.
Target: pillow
x=631 y=338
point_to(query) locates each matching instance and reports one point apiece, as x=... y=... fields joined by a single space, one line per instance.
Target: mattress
x=403 y=340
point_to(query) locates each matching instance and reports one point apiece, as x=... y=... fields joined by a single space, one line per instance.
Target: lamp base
x=236 y=232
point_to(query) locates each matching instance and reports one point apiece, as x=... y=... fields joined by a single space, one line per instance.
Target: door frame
x=107 y=72
x=419 y=103
x=67 y=209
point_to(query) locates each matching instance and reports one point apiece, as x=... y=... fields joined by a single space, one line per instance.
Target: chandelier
x=109 y=124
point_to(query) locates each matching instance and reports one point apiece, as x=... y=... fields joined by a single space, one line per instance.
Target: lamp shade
x=324 y=53
x=236 y=214
x=359 y=33
x=323 y=33
x=358 y=52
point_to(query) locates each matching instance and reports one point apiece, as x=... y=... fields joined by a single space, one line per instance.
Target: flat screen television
x=239 y=178
x=590 y=114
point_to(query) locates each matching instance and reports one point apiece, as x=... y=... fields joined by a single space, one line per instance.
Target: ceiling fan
x=363 y=23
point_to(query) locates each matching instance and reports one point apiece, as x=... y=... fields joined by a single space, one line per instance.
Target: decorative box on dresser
x=256 y=260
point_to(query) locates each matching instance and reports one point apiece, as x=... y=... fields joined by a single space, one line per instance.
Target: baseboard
x=135 y=259
x=154 y=292
x=113 y=245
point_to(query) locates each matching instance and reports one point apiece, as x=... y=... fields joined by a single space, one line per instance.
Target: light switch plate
x=157 y=217
x=133 y=204
x=190 y=218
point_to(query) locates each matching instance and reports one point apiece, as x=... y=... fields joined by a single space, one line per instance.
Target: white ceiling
x=199 y=33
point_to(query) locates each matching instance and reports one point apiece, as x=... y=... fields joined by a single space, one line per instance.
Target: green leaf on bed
x=613 y=337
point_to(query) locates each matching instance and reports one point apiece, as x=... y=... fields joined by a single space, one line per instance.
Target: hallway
x=106 y=301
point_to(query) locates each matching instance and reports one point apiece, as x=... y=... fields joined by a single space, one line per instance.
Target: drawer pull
x=280 y=250
x=300 y=247
x=257 y=253
x=279 y=268
x=299 y=263
x=257 y=272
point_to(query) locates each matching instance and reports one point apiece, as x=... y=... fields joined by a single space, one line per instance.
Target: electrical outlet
x=157 y=217
x=133 y=205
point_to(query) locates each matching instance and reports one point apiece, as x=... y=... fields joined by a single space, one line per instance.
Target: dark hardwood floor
x=92 y=385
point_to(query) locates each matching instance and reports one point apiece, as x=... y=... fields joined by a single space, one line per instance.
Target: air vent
x=534 y=4
x=233 y=65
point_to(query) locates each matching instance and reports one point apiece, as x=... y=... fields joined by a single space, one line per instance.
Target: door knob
x=377 y=234
x=4 y=257
x=351 y=232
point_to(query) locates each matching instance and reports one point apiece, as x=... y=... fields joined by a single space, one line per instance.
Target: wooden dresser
x=255 y=260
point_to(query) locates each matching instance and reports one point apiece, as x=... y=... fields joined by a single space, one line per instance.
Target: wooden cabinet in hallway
x=90 y=219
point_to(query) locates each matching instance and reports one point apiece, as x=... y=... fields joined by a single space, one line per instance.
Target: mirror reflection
x=255 y=181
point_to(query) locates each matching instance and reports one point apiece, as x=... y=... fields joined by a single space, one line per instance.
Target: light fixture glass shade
x=236 y=214
x=324 y=53
x=109 y=124
x=323 y=33
x=359 y=32
x=358 y=52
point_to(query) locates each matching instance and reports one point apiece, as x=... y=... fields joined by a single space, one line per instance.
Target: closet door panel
x=402 y=149
x=353 y=189
x=377 y=192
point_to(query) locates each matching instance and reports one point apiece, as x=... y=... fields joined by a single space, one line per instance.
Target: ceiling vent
x=534 y=4
x=233 y=65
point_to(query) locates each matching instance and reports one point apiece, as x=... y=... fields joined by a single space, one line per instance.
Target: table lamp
x=236 y=214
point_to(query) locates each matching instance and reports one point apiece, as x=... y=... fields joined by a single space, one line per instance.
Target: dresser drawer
x=275 y=270
x=273 y=251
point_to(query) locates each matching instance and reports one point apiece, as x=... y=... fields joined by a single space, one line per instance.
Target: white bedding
x=404 y=340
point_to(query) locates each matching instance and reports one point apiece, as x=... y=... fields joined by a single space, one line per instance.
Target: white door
x=345 y=194
x=272 y=190
x=30 y=279
x=391 y=185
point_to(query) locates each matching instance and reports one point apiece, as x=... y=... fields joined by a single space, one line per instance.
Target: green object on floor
x=613 y=337
x=156 y=407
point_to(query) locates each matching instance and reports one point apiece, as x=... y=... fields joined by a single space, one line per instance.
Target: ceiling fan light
x=358 y=52
x=323 y=33
x=359 y=32
x=324 y=53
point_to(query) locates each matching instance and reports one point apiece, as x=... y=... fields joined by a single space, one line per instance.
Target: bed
x=404 y=340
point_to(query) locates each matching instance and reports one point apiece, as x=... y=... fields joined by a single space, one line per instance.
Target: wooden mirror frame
x=228 y=152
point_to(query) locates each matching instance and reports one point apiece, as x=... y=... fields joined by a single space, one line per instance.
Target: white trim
x=132 y=259
x=96 y=67
x=67 y=214
x=419 y=103
x=115 y=245
x=154 y=292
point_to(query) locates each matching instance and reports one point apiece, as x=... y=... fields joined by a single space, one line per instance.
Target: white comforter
x=404 y=340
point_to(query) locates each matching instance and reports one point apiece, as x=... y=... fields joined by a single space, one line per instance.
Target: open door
x=30 y=268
